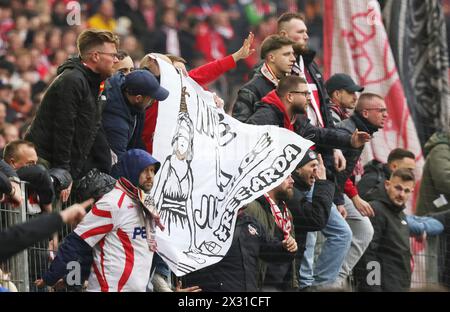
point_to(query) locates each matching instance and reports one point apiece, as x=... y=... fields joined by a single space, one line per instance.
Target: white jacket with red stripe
x=115 y=229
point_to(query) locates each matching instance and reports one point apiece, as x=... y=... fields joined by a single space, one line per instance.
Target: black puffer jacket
x=310 y=216
x=252 y=92
x=68 y=119
x=389 y=247
x=375 y=173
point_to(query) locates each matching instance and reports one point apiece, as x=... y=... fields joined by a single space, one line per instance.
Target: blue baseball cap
x=143 y=82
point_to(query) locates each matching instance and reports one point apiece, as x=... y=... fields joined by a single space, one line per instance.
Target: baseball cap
x=310 y=155
x=342 y=81
x=143 y=82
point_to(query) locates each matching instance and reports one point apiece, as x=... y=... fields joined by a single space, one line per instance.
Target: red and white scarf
x=146 y=202
x=282 y=218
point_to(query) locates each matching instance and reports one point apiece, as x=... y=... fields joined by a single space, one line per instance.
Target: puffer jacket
x=375 y=173
x=123 y=124
x=434 y=194
x=68 y=119
x=252 y=92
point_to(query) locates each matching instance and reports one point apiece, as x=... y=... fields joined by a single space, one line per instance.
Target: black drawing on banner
x=176 y=179
x=225 y=133
x=252 y=160
x=175 y=186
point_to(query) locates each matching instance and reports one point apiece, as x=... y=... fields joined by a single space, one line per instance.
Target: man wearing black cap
x=127 y=98
x=342 y=91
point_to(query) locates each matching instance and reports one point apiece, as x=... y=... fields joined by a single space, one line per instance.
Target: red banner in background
x=356 y=43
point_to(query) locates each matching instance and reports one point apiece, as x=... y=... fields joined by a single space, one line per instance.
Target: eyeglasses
x=305 y=93
x=113 y=54
x=380 y=110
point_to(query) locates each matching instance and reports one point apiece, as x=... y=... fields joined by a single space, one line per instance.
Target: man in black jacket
x=369 y=116
x=286 y=107
x=310 y=216
x=65 y=129
x=278 y=56
x=375 y=172
x=237 y=271
x=386 y=264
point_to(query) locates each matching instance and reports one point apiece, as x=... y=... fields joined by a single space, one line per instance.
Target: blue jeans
x=338 y=239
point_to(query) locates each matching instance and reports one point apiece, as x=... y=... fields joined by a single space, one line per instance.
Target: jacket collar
x=308 y=56
x=273 y=99
x=362 y=124
x=382 y=196
x=269 y=74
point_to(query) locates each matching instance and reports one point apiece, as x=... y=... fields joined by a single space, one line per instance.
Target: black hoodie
x=68 y=119
x=389 y=247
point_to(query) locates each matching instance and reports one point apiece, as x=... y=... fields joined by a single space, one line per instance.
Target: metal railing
x=27 y=266
x=431 y=259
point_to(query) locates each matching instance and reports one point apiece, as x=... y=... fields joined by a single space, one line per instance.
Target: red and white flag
x=356 y=43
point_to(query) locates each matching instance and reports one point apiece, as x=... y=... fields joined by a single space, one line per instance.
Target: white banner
x=211 y=166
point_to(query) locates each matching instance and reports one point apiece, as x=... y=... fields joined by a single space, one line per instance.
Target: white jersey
x=115 y=229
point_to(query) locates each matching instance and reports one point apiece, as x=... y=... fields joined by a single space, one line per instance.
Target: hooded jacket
x=389 y=247
x=250 y=93
x=68 y=119
x=375 y=173
x=434 y=194
x=122 y=122
x=74 y=248
x=271 y=111
x=131 y=165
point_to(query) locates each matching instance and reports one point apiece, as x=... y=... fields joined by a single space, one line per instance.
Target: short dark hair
x=272 y=43
x=287 y=17
x=12 y=147
x=288 y=83
x=91 y=38
x=364 y=98
x=404 y=174
x=399 y=154
x=121 y=54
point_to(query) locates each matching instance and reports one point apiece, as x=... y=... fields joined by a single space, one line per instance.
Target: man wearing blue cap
x=128 y=96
